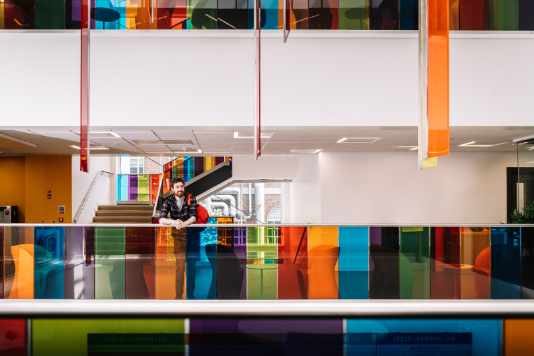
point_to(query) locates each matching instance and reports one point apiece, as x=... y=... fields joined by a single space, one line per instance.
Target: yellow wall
x=45 y=173
x=12 y=184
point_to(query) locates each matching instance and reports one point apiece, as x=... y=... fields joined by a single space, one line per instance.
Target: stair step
x=124 y=213
x=122 y=219
x=126 y=207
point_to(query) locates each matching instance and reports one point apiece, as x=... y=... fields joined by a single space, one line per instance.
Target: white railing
x=89 y=191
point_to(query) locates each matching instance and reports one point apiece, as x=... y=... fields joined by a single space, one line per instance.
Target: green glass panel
x=353 y=14
x=414 y=263
x=203 y=14
x=142 y=188
x=67 y=337
x=50 y=14
x=110 y=263
x=504 y=15
x=262 y=254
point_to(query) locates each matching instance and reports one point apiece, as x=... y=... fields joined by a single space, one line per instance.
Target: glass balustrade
x=471 y=15
x=267 y=262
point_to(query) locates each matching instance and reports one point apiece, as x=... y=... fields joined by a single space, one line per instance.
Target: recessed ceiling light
x=306 y=150
x=263 y=135
x=470 y=144
x=343 y=139
x=101 y=134
x=164 y=142
x=91 y=148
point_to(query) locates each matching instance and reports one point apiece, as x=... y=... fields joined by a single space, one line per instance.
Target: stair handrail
x=154 y=214
x=89 y=191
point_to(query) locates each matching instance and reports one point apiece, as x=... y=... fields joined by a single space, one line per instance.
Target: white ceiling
x=58 y=141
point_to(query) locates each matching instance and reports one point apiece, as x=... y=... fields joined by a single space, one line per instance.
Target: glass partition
x=525 y=170
x=230 y=261
x=500 y=15
x=333 y=336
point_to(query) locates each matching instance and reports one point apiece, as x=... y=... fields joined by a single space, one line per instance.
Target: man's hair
x=177 y=180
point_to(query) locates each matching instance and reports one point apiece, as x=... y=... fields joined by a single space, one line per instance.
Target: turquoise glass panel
x=414 y=263
x=110 y=263
x=482 y=336
x=271 y=11
x=353 y=262
x=206 y=267
x=505 y=263
x=122 y=187
x=408 y=13
x=49 y=263
x=189 y=168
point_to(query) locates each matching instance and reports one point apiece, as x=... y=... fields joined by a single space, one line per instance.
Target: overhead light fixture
x=470 y=144
x=306 y=150
x=359 y=139
x=343 y=139
x=164 y=142
x=100 y=134
x=91 y=148
x=414 y=149
x=199 y=151
x=263 y=135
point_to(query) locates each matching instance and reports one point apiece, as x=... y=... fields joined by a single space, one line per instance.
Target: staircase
x=116 y=214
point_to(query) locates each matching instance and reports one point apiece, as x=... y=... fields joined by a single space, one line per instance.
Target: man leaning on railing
x=180 y=213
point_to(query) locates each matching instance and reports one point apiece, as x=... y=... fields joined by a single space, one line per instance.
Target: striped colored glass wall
x=137 y=187
x=268 y=262
x=470 y=15
x=188 y=168
x=334 y=336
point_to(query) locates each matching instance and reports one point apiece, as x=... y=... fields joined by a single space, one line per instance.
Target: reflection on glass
x=384 y=263
x=445 y=271
x=315 y=12
x=504 y=15
x=74 y=263
x=262 y=262
x=301 y=13
x=293 y=263
x=18 y=262
x=475 y=15
x=330 y=15
x=49 y=264
x=13 y=337
x=505 y=263
x=140 y=263
x=110 y=281
x=353 y=14
x=518 y=338
x=67 y=337
x=475 y=252
x=323 y=262
x=526 y=15
x=170 y=263
x=353 y=262
x=384 y=15
x=454 y=15
x=414 y=263
x=527 y=263
x=409 y=14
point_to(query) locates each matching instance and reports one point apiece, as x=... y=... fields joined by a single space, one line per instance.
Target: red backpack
x=202 y=213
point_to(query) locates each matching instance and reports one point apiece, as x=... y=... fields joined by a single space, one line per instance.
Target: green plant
x=524 y=217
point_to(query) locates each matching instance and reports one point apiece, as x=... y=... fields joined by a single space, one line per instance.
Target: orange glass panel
x=293 y=263
x=518 y=337
x=475 y=259
x=178 y=168
x=18 y=262
x=454 y=15
x=323 y=256
x=170 y=263
x=438 y=78
x=143 y=16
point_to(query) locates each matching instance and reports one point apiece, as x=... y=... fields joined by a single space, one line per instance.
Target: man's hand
x=178 y=224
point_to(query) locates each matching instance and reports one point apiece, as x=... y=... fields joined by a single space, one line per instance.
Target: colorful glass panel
x=454 y=15
x=75 y=285
x=323 y=262
x=504 y=15
x=330 y=14
x=13 y=339
x=170 y=263
x=353 y=14
x=409 y=14
x=140 y=267
x=384 y=15
x=133 y=188
x=474 y=15
x=110 y=263
x=353 y=262
x=384 y=268
x=445 y=271
x=262 y=263
x=505 y=263
x=18 y=262
x=49 y=263
x=526 y=15
x=143 y=187
x=475 y=261
x=527 y=263
x=293 y=263
x=414 y=263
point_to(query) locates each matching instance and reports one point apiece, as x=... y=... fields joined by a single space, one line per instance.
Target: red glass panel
x=13 y=337
x=140 y=263
x=84 y=88
x=293 y=263
x=475 y=15
x=19 y=15
x=330 y=15
x=445 y=271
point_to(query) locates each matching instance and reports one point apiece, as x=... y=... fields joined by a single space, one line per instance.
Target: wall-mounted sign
x=48 y=194
x=61 y=209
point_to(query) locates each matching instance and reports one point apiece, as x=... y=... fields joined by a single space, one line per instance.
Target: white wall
x=306 y=198
x=205 y=79
x=103 y=191
x=268 y=166
x=379 y=187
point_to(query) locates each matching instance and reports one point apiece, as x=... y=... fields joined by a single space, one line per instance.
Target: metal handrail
x=89 y=191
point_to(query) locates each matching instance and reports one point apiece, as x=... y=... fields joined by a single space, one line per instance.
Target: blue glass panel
x=122 y=187
x=206 y=267
x=353 y=262
x=49 y=262
x=263 y=14
x=409 y=16
x=271 y=11
x=189 y=168
x=479 y=337
x=505 y=263
x=107 y=16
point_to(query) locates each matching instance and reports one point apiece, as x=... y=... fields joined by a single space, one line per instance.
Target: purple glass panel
x=74 y=271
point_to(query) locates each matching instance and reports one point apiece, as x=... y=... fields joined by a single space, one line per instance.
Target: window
x=275 y=215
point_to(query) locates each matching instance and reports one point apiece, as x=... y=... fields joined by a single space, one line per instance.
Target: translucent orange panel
x=293 y=263
x=438 y=78
x=454 y=15
x=475 y=260
x=19 y=262
x=518 y=337
x=323 y=256
x=170 y=263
